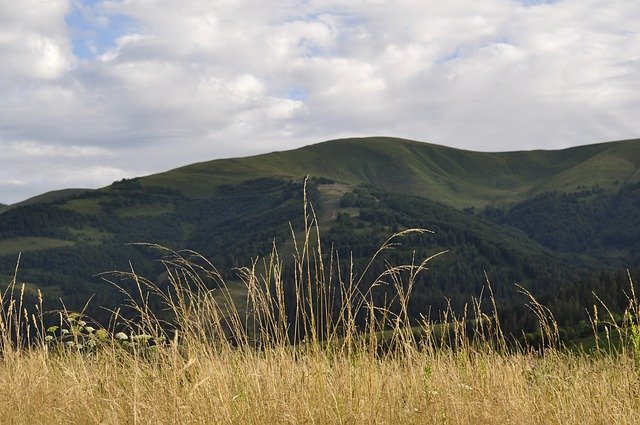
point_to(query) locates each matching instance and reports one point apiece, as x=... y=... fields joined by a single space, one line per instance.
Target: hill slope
x=453 y=177
x=540 y=218
x=51 y=196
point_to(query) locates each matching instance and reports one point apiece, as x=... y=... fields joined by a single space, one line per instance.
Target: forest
x=562 y=247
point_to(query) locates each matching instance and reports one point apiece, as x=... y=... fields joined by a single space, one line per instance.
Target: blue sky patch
x=536 y=2
x=298 y=94
x=450 y=56
x=92 y=33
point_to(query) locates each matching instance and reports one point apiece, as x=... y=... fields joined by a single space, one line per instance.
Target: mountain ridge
x=419 y=165
x=50 y=196
x=449 y=175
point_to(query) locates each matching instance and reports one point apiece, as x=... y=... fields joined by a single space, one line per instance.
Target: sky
x=94 y=91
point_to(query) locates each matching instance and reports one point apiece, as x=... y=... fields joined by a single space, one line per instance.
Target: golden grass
x=263 y=364
x=278 y=386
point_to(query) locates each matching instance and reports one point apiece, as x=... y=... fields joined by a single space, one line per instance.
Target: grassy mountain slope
x=454 y=177
x=542 y=218
x=51 y=196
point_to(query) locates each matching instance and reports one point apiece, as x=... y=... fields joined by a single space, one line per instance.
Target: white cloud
x=183 y=81
x=26 y=149
x=34 y=43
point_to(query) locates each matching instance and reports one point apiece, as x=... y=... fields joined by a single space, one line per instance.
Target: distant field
x=25 y=244
x=89 y=235
x=84 y=206
x=146 y=210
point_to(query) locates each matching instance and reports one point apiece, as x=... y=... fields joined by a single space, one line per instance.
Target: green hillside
x=544 y=219
x=451 y=176
x=51 y=196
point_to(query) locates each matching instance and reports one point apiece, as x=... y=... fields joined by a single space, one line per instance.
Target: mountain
x=545 y=219
x=451 y=176
x=51 y=196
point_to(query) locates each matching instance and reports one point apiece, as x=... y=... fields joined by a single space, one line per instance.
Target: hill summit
x=455 y=177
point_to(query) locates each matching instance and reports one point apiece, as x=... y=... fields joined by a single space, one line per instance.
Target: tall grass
x=318 y=349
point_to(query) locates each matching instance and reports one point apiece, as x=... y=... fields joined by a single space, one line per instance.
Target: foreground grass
x=281 y=386
x=261 y=363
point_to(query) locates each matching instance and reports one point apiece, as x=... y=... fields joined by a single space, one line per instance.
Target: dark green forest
x=561 y=247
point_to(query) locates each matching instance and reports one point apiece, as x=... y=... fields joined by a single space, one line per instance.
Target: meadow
x=334 y=358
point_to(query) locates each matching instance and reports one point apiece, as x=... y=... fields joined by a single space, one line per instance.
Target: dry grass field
x=217 y=362
x=280 y=386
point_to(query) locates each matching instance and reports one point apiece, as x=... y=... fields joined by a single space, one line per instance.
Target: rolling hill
x=545 y=219
x=52 y=196
x=453 y=177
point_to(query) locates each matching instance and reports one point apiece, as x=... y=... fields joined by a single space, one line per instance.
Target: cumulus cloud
x=114 y=88
x=32 y=49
